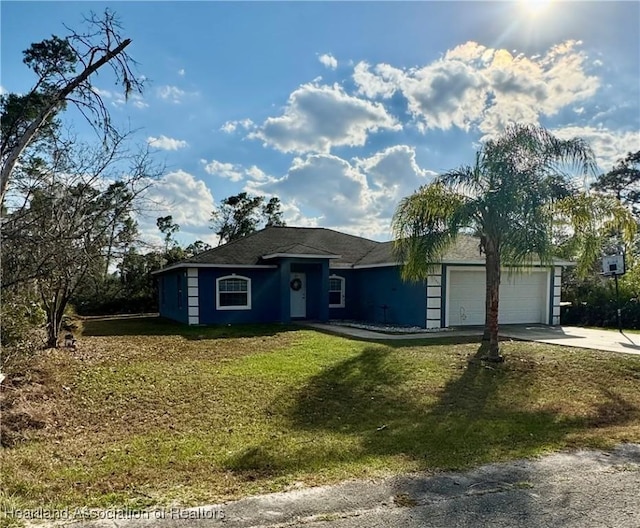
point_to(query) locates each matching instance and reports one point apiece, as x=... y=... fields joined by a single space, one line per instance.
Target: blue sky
x=341 y=109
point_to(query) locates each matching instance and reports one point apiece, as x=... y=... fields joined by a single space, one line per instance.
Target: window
x=233 y=293
x=336 y=292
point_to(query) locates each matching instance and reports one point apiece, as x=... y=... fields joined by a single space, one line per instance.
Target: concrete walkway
x=572 y=336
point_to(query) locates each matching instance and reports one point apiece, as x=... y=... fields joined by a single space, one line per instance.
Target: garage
x=524 y=297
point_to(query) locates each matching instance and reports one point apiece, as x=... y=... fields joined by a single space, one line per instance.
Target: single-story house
x=280 y=274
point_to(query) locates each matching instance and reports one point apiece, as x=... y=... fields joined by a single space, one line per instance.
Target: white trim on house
x=336 y=265
x=241 y=307
x=193 y=300
x=383 y=265
x=453 y=263
x=342 y=291
x=298 y=255
x=526 y=265
x=434 y=297
x=557 y=288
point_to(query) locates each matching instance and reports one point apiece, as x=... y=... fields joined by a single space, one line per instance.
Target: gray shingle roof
x=466 y=249
x=301 y=249
x=352 y=250
x=293 y=240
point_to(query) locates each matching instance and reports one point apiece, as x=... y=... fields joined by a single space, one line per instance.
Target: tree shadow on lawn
x=159 y=326
x=374 y=401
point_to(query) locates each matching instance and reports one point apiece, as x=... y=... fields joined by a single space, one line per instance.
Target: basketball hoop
x=613 y=265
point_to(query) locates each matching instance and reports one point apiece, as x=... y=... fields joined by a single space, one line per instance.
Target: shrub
x=22 y=328
x=593 y=300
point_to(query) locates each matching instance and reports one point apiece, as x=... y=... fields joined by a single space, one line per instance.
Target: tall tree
x=623 y=181
x=195 y=248
x=64 y=68
x=172 y=250
x=168 y=228
x=506 y=198
x=74 y=220
x=243 y=214
x=272 y=212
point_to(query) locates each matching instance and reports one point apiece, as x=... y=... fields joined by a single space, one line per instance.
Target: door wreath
x=296 y=284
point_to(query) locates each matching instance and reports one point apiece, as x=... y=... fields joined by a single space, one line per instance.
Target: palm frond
x=469 y=180
x=425 y=225
x=591 y=217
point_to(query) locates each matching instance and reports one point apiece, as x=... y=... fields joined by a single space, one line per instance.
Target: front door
x=298 y=289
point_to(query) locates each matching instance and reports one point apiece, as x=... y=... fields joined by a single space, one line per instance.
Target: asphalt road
x=584 y=489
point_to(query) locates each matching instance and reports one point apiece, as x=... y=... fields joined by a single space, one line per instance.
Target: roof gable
x=270 y=241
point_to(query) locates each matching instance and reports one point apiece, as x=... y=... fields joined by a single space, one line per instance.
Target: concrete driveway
x=572 y=336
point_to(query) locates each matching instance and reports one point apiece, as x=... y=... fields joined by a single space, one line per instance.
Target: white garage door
x=523 y=297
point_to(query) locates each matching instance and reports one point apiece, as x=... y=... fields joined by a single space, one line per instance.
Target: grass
x=148 y=413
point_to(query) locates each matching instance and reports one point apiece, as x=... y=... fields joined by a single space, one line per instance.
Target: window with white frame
x=336 y=291
x=233 y=293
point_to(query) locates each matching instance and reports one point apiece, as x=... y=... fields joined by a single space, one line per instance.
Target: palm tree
x=507 y=198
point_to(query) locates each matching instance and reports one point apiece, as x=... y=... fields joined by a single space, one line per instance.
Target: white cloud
x=357 y=196
x=446 y=94
x=256 y=174
x=106 y=94
x=473 y=86
x=232 y=172
x=187 y=199
x=326 y=185
x=166 y=143
x=318 y=118
x=608 y=145
x=183 y=196
x=171 y=93
x=395 y=173
x=328 y=60
x=118 y=99
x=384 y=82
x=231 y=126
x=293 y=216
x=181 y=72
x=138 y=101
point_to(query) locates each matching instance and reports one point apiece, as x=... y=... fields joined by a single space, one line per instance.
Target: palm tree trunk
x=492 y=299
x=486 y=333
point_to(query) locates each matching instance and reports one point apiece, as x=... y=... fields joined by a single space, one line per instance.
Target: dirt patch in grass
x=149 y=417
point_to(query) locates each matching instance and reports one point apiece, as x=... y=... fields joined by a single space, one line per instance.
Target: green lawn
x=151 y=413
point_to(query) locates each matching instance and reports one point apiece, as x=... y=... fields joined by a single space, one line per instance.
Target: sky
x=343 y=108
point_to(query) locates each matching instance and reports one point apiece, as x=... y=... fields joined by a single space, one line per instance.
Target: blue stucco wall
x=350 y=295
x=265 y=298
x=172 y=288
x=376 y=287
x=366 y=291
